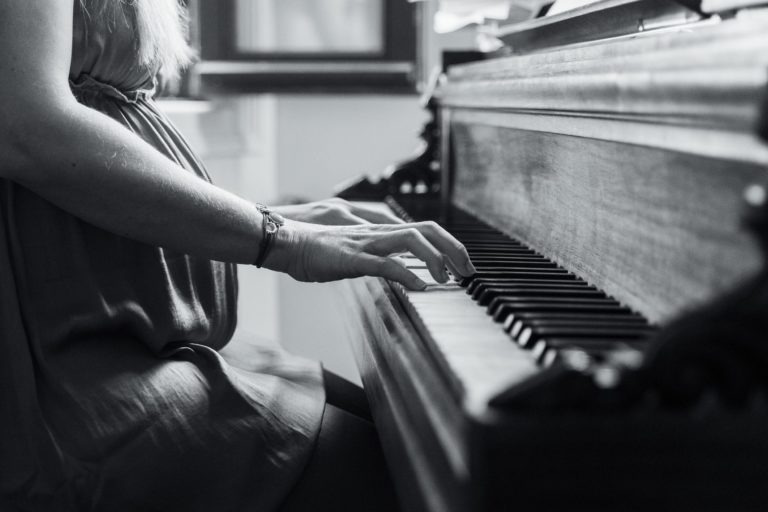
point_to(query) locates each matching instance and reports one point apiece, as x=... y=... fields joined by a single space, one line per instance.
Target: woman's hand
x=335 y=212
x=314 y=253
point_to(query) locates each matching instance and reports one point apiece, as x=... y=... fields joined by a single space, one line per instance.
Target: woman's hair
x=161 y=27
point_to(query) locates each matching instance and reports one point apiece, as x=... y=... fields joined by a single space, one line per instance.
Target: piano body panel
x=659 y=230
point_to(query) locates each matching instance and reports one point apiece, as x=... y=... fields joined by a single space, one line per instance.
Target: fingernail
x=470 y=268
x=444 y=277
x=421 y=285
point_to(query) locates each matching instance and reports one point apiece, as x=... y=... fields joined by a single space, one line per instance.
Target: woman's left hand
x=336 y=212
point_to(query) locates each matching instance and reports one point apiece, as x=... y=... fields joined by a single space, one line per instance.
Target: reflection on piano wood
x=611 y=352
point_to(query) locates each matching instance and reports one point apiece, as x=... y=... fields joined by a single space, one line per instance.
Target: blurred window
x=307 y=45
x=310 y=26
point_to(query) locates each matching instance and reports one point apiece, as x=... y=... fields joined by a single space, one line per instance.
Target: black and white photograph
x=383 y=255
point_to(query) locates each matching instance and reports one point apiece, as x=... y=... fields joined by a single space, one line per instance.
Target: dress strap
x=87 y=85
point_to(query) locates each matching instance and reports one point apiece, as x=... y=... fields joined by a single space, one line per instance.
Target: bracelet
x=270 y=225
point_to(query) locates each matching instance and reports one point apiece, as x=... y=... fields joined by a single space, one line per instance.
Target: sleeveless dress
x=112 y=393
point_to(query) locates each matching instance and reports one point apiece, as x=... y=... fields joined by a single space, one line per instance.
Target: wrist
x=280 y=255
x=271 y=223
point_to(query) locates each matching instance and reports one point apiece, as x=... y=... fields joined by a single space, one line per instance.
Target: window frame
x=225 y=68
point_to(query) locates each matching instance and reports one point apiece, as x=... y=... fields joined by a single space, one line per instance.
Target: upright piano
x=608 y=177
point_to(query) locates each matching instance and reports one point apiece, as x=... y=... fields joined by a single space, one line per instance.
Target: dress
x=112 y=393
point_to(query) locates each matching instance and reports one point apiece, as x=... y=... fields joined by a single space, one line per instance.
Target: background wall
x=322 y=141
x=274 y=146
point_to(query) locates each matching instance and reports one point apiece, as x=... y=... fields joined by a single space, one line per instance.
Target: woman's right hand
x=314 y=253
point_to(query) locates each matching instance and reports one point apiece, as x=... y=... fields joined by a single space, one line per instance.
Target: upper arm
x=36 y=38
x=36 y=43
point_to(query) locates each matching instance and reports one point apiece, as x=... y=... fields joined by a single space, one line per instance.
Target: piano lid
x=697 y=91
x=597 y=21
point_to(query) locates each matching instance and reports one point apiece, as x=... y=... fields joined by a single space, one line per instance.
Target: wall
x=321 y=141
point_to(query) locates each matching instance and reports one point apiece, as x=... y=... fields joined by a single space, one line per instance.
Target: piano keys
x=556 y=310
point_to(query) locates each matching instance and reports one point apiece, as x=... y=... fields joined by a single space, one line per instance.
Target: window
x=307 y=45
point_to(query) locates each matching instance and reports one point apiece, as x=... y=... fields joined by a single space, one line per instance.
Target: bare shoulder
x=36 y=37
x=36 y=42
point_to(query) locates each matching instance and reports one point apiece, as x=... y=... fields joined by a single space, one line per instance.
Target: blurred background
x=292 y=97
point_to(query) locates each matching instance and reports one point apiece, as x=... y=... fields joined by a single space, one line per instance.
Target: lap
x=347 y=471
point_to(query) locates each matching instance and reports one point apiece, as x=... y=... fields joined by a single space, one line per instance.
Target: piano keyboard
x=552 y=318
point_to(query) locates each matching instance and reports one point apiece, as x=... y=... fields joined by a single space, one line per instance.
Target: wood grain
x=659 y=230
x=710 y=76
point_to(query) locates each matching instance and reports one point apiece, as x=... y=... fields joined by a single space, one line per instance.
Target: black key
x=530 y=335
x=497 y=248
x=486 y=297
x=535 y=307
x=490 y=243
x=515 y=327
x=515 y=265
x=521 y=273
x=505 y=300
x=481 y=236
x=525 y=279
x=540 y=274
x=500 y=250
x=478 y=253
x=592 y=332
x=484 y=238
x=506 y=260
x=466 y=229
x=509 y=270
x=488 y=291
x=524 y=317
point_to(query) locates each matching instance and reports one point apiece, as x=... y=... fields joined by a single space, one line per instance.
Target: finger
x=379 y=228
x=437 y=233
x=452 y=268
x=400 y=260
x=376 y=216
x=389 y=269
x=411 y=240
x=457 y=257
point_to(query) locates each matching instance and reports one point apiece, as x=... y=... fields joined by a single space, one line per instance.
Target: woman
x=118 y=288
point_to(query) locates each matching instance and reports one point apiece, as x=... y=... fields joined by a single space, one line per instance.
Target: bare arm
x=90 y=165
x=94 y=168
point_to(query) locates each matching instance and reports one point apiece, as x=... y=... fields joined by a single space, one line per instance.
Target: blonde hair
x=161 y=27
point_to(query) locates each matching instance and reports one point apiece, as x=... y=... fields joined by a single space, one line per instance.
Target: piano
x=607 y=174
